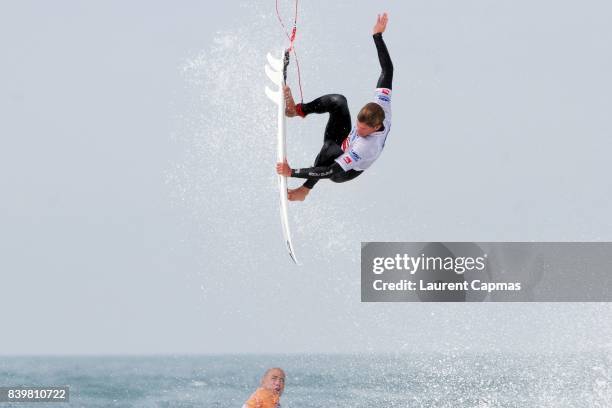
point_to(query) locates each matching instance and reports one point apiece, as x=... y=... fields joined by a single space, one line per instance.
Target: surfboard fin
x=273 y=95
x=275 y=63
x=274 y=75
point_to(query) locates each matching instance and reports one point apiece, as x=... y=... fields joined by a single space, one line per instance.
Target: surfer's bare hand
x=290 y=109
x=283 y=169
x=381 y=24
x=298 y=194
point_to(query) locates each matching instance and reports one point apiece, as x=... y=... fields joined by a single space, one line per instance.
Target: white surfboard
x=274 y=71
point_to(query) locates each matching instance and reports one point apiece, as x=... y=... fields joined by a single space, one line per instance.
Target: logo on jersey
x=345 y=144
x=354 y=155
x=385 y=91
x=383 y=98
x=347 y=160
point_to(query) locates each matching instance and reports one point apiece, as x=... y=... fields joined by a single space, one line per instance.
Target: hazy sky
x=139 y=209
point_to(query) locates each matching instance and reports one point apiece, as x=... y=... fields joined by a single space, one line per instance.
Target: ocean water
x=406 y=380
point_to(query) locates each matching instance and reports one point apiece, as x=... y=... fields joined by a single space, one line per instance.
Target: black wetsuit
x=338 y=126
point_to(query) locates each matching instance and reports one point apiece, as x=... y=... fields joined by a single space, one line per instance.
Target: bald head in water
x=274 y=380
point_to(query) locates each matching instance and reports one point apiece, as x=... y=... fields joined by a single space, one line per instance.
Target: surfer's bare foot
x=290 y=109
x=298 y=194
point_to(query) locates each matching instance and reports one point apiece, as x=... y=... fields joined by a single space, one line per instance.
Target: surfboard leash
x=291 y=48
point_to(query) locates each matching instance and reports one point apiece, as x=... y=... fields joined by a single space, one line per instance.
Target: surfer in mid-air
x=347 y=150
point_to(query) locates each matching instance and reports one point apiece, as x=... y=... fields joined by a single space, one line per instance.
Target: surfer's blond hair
x=372 y=115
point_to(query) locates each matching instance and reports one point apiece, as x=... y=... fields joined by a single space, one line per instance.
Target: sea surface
x=372 y=380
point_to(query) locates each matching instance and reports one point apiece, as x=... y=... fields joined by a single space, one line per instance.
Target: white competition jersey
x=361 y=152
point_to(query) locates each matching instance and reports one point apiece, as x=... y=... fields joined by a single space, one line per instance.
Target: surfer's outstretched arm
x=386 y=76
x=312 y=174
x=316 y=173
